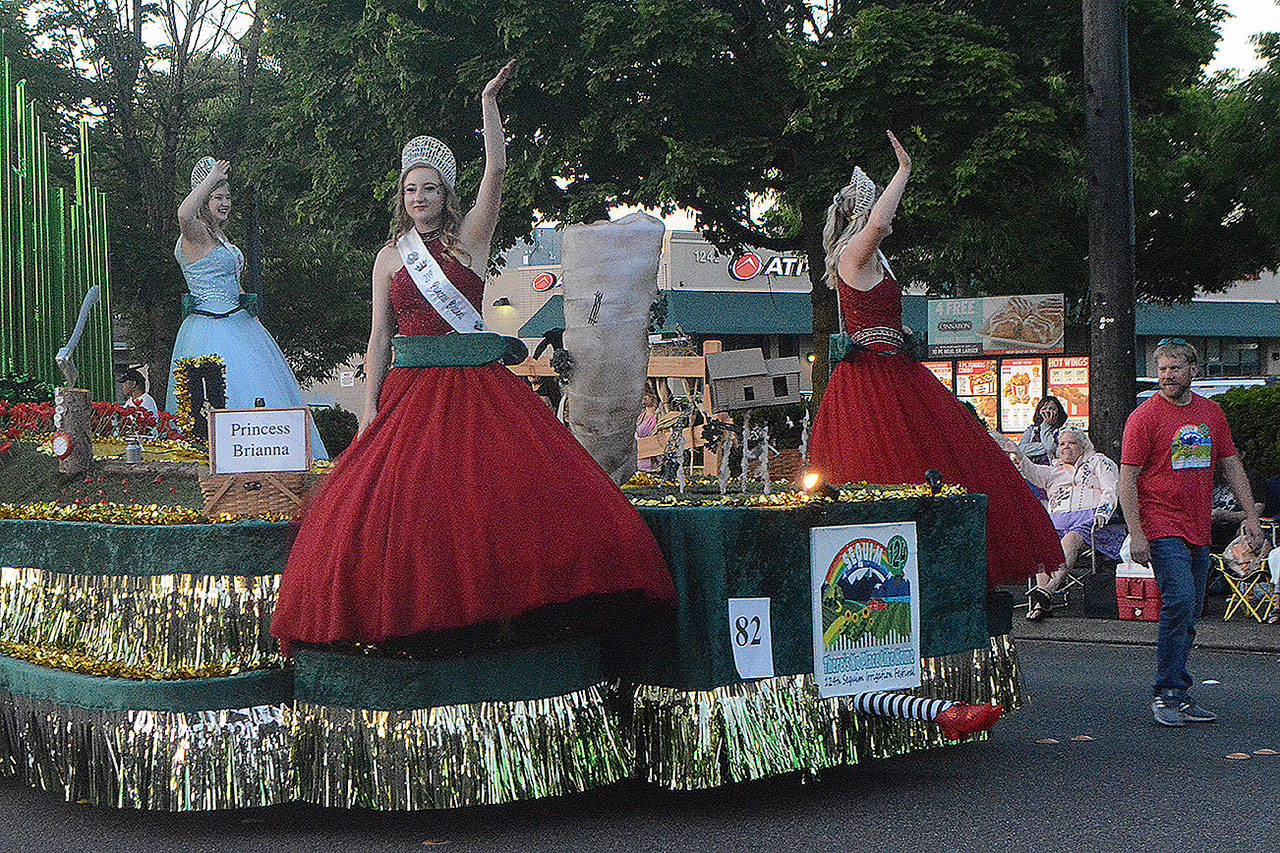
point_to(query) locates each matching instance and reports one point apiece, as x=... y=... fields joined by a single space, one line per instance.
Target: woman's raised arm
x=476 y=233
x=862 y=248
x=194 y=230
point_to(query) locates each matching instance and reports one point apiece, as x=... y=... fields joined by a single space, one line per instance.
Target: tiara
x=857 y=197
x=201 y=171
x=429 y=151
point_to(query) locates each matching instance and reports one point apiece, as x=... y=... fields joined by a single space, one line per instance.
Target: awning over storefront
x=718 y=312
x=1210 y=319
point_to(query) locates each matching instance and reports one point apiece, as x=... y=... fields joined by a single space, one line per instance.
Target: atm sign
x=748 y=265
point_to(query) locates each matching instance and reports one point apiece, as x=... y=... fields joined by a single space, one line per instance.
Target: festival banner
x=865 y=588
x=995 y=325
x=976 y=384
x=942 y=370
x=1069 y=382
x=1021 y=388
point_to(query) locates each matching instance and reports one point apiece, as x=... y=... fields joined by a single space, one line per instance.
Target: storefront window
x=1232 y=357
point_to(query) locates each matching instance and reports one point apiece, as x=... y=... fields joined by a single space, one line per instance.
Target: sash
x=456 y=350
x=435 y=286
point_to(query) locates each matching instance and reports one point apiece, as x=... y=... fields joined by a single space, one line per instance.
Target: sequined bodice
x=866 y=309
x=214 y=280
x=414 y=314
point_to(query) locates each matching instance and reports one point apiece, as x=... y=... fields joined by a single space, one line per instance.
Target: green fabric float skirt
x=209 y=718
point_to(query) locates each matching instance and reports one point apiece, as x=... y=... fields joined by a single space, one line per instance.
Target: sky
x=1251 y=16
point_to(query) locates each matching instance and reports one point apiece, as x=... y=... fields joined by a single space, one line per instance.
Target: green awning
x=549 y=316
x=1210 y=319
x=711 y=312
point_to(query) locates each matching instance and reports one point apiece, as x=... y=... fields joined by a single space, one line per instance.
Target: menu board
x=1069 y=382
x=1021 y=387
x=996 y=325
x=976 y=384
x=942 y=370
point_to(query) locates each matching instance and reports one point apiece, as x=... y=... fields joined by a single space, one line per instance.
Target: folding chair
x=1074 y=579
x=1253 y=590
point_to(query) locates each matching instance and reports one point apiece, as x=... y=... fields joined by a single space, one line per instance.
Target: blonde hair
x=403 y=222
x=842 y=225
x=1178 y=348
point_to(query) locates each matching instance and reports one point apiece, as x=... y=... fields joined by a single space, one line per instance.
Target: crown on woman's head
x=429 y=151
x=857 y=196
x=201 y=171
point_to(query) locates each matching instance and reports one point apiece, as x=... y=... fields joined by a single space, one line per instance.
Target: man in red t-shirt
x=1171 y=444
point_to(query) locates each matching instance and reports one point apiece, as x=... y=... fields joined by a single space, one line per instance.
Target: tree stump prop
x=72 y=414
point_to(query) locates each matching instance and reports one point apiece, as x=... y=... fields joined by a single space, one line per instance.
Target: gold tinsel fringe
x=459 y=755
x=166 y=625
x=701 y=739
x=156 y=760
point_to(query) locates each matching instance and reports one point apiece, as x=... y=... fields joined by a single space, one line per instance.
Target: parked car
x=1208 y=387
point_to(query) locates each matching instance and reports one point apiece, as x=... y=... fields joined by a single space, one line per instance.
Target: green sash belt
x=470 y=350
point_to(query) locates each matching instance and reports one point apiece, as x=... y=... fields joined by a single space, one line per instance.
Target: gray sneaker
x=1193 y=713
x=1167 y=711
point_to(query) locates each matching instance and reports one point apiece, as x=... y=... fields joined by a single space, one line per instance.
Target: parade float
x=137 y=669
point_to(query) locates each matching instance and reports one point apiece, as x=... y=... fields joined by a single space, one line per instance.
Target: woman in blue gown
x=255 y=367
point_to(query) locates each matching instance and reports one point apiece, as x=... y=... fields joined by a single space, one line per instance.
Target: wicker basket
x=254 y=494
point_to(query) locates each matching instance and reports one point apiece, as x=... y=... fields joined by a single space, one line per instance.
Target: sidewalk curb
x=1212 y=633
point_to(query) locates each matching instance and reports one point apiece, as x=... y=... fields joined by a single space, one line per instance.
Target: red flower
x=4 y=446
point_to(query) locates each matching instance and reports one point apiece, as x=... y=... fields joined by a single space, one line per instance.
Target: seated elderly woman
x=1081 y=488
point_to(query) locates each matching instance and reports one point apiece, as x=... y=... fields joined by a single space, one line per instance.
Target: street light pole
x=1111 y=266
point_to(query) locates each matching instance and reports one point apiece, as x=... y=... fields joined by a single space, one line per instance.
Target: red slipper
x=961 y=720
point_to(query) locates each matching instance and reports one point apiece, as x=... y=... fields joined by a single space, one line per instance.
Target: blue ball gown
x=256 y=368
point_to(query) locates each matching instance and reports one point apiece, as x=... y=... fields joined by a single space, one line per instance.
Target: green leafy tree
x=713 y=105
x=146 y=70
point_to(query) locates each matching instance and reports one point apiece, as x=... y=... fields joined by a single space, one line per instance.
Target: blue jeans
x=1182 y=572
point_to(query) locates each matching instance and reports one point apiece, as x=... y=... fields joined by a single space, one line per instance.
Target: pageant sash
x=435 y=286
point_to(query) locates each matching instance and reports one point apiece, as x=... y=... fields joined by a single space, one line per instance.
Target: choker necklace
x=428 y=236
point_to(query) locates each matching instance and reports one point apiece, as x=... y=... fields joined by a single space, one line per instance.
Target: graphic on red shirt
x=1192 y=447
x=1176 y=448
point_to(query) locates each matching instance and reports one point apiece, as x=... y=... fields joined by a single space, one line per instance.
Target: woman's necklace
x=428 y=236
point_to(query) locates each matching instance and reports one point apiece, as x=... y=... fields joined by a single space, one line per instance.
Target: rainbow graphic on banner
x=866 y=617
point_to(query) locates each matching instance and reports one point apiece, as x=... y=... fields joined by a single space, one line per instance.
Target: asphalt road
x=1134 y=786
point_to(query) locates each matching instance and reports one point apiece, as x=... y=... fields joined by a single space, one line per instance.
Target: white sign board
x=751 y=636
x=866 y=607
x=251 y=441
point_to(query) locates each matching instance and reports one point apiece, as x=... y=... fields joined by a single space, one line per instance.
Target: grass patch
x=28 y=476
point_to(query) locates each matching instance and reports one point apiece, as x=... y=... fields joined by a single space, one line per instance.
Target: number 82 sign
x=751 y=637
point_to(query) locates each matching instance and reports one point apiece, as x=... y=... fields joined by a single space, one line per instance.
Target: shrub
x=24 y=389
x=1254 y=416
x=337 y=428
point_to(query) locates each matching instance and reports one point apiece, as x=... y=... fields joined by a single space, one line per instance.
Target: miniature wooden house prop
x=745 y=379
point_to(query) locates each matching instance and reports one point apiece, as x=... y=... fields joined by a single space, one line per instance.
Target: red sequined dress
x=465 y=501
x=885 y=418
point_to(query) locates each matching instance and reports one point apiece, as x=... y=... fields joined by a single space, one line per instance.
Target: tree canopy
x=713 y=104
x=709 y=105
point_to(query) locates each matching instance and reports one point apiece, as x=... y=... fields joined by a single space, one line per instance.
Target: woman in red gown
x=462 y=500
x=884 y=418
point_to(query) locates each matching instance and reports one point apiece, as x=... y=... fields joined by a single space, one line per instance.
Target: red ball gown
x=465 y=501
x=885 y=418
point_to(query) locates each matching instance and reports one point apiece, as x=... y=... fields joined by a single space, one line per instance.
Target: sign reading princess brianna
x=866 y=607
x=251 y=441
